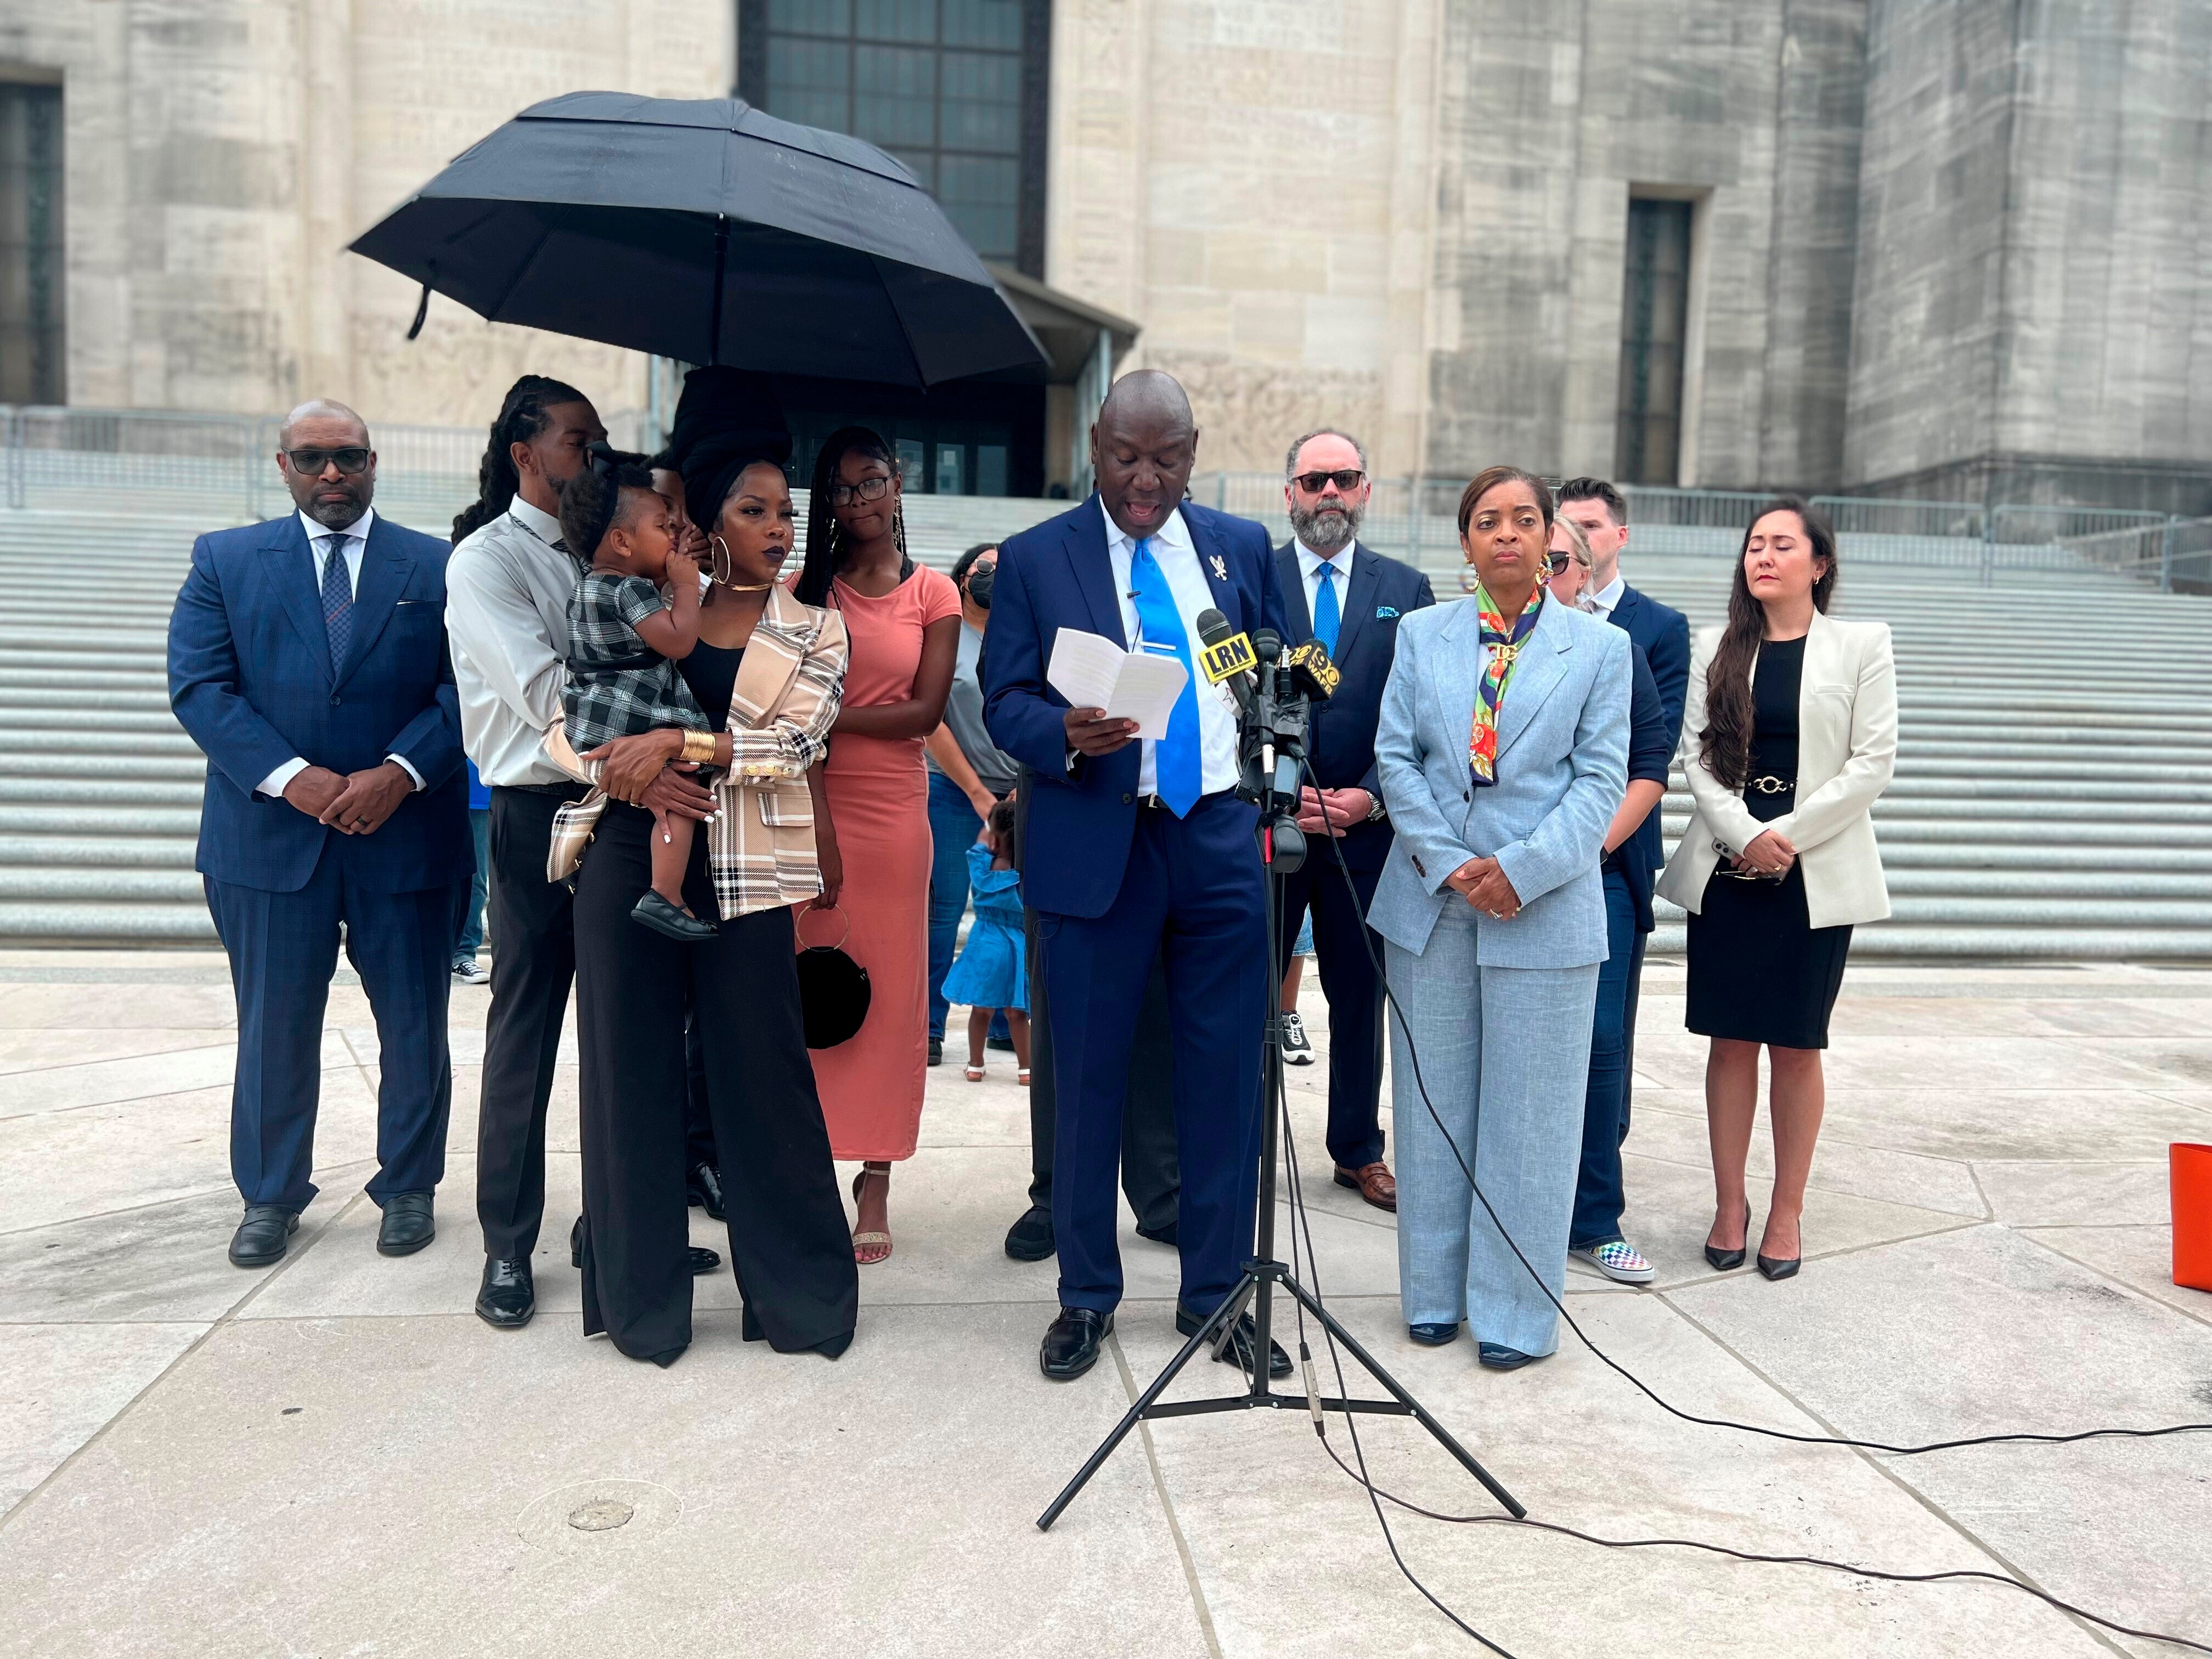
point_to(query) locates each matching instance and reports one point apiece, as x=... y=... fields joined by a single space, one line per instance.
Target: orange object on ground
x=2192 y=1215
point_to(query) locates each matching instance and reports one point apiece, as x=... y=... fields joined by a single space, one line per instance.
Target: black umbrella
x=703 y=230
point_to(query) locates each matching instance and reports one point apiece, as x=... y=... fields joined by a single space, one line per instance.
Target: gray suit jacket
x=1562 y=770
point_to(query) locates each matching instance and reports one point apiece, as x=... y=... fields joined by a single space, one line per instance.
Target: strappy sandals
x=865 y=1243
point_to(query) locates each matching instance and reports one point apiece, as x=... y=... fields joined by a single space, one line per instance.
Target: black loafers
x=1237 y=1350
x=507 y=1297
x=657 y=914
x=1072 y=1343
x=1499 y=1358
x=408 y=1225
x=1030 y=1239
x=1434 y=1335
x=704 y=1260
x=703 y=1187
x=263 y=1235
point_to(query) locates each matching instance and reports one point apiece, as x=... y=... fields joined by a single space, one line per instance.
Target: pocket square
x=1383 y=611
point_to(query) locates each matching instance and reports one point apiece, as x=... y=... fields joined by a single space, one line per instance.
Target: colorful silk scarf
x=1504 y=645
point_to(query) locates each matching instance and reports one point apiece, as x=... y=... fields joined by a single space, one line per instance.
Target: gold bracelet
x=699 y=746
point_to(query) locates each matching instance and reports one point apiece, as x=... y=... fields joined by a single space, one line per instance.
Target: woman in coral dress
x=871 y=807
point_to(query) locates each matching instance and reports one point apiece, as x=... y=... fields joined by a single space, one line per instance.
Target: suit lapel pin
x=1220 y=568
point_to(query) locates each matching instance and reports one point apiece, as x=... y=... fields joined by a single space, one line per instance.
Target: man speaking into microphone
x=1138 y=847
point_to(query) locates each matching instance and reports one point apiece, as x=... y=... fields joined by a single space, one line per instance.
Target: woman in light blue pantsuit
x=1503 y=753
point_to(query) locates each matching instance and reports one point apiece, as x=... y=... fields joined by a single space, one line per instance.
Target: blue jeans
x=1598 y=1197
x=472 y=919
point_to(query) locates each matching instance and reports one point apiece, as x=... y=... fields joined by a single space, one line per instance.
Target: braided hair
x=825 y=538
x=592 y=502
x=522 y=417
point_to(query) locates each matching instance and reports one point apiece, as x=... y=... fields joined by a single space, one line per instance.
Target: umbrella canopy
x=703 y=230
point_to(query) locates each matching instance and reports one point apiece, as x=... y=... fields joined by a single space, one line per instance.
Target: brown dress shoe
x=1374 y=1181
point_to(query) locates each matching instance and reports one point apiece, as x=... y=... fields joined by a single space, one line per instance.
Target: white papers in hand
x=1091 y=671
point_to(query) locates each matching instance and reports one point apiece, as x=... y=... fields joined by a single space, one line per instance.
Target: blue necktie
x=1177 y=771
x=337 y=602
x=1327 y=616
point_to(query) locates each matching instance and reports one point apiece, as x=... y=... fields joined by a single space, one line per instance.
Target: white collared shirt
x=322 y=541
x=507 y=587
x=1177 y=558
x=1605 y=598
x=1309 y=564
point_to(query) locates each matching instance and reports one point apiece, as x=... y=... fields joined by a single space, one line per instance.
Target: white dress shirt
x=1610 y=595
x=1177 y=558
x=1309 y=564
x=507 y=587
x=321 y=539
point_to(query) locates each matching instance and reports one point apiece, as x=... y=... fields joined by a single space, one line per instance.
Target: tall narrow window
x=33 y=368
x=954 y=89
x=1654 y=311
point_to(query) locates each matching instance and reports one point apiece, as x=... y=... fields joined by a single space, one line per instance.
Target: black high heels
x=1725 y=1261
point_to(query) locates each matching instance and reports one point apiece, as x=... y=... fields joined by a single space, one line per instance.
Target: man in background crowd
x=1351 y=599
x=1632 y=866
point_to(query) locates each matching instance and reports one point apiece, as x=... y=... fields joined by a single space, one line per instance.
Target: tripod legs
x=1259 y=1279
x=1228 y=1310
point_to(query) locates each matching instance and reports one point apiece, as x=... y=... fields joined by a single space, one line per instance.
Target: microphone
x=1228 y=657
x=1310 y=669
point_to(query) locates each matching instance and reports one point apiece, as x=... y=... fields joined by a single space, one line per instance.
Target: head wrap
x=726 y=419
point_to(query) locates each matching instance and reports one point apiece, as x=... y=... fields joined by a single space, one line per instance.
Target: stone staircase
x=2028 y=819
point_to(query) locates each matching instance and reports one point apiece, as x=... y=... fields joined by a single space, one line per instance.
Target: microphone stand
x=1272 y=741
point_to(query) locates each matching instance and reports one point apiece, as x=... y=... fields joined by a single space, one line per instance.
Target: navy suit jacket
x=1664 y=634
x=249 y=679
x=1340 y=740
x=1057 y=576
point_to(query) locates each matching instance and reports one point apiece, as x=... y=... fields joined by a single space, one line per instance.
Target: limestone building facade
x=1956 y=251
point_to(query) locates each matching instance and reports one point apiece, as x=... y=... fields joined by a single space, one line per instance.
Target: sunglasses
x=868 y=490
x=1345 y=482
x=310 y=463
x=1560 y=562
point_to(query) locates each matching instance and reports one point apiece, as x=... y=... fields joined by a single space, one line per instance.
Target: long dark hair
x=825 y=540
x=1724 y=746
x=522 y=417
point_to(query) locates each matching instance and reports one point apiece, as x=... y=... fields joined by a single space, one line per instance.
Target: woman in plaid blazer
x=768 y=671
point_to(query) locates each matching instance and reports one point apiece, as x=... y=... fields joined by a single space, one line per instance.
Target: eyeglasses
x=310 y=463
x=1345 y=482
x=868 y=490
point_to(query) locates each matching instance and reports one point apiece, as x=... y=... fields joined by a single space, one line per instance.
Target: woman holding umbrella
x=904 y=623
x=768 y=670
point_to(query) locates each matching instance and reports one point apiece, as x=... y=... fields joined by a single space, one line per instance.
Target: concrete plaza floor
x=335 y=1456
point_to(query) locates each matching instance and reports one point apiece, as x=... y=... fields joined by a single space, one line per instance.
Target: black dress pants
x=789 y=1244
x=1341 y=942
x=1151 y=1178
x=533 y=962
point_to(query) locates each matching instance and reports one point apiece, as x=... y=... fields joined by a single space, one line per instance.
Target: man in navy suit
x=1135 y=847
x=308 y=659
x=1351 y=599
x=1663 y=634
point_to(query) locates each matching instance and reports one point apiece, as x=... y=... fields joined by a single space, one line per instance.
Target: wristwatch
x=1374 y=809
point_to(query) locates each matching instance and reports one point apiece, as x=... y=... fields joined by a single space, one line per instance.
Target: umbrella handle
x=421 y=310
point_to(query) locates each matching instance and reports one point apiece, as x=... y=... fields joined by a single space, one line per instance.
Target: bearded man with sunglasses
x=1352 y=599
x=307 y=658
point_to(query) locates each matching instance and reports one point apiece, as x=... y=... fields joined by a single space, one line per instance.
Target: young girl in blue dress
x=993 y=971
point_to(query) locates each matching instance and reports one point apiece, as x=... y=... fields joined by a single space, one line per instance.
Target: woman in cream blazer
x=1790 y=729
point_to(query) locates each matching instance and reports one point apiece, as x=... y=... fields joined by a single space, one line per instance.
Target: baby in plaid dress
x=624 y=643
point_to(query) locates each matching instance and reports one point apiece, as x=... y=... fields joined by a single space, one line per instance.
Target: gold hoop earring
x=724 y=567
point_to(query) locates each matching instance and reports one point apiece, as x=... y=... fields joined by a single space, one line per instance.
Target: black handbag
x=833 y=989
